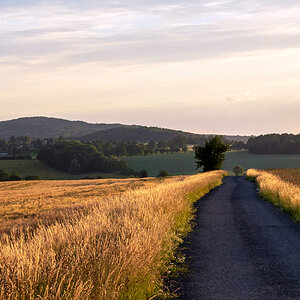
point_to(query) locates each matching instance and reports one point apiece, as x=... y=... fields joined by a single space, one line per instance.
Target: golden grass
x=118 y=247
x=281 y=188
x=289 y=175
x=36 y=202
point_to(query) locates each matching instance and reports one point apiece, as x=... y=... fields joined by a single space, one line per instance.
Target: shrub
x=14 y=177
x=4 y=176
x=163 y=173
x=143 y=173
x=238 y=170
x=32 y=177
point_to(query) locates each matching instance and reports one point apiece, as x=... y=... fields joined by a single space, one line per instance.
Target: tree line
x=134 y=148
x=76 y=157
x=275 y=144
x=21 y=147
x=7 y=176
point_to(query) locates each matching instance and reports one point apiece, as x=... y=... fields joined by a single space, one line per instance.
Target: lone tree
x=211 y=155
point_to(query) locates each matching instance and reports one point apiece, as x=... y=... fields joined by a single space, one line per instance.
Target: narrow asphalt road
x=241 y=248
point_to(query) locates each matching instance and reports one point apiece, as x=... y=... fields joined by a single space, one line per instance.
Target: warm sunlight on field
x=31 y=202
x=281 y=187
x=113 y=239
x=289 y=175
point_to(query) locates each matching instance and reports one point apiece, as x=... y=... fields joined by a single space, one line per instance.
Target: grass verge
x=120 y=248
x=277 y=190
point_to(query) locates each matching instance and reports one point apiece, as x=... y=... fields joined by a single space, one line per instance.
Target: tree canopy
x=275 y=144
x=75 y=157
x=211 y=155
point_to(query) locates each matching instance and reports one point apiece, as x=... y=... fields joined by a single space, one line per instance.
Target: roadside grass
x=120 y=247
x=280 y=188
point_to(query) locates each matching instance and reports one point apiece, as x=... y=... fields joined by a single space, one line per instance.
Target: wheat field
x=281 y=187
x=289 y=175
x=113 y=239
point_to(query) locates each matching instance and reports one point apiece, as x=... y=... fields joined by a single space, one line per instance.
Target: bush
x=163 y=173
x=32 y=177
x=14 y=177
x=143 y=173
x=4 y=176
x=238 y=170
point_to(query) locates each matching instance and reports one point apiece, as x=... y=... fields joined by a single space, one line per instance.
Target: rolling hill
x=139 y=133
x=43 y=127
x=145 y=134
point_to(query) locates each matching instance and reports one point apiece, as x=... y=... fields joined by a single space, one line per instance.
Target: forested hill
x=145 y=134
x=275 y=144
x=43 y=127
x=141 y=134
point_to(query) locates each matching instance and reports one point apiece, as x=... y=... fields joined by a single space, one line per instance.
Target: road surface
x=241 y=248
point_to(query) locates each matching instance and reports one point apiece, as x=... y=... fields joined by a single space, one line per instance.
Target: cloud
x=193 y=63
x=246 y=96
x=134 y=32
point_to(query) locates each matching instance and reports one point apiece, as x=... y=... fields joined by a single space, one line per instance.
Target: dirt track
x=241 y=248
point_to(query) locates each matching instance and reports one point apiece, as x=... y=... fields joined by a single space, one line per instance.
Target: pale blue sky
x=205 y=66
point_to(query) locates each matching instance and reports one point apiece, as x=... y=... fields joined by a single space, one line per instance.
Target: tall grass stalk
x=118 y=250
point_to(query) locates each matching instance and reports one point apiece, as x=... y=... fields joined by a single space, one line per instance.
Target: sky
x=223 y=67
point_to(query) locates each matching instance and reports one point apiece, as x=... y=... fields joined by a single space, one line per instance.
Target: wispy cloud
x=144 y=32
x=118 y=53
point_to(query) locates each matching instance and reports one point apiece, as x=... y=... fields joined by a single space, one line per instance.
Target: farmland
x=94 y=239
x=177 y=164
x=35 y=167
x=288 y=175
x=281 y=187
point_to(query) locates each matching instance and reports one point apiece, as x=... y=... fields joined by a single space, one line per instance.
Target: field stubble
x=117 y=247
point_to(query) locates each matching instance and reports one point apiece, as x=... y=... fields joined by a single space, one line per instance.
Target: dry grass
x=281 y=188
x=289 y=175
x=118 y=247
x=42 y=202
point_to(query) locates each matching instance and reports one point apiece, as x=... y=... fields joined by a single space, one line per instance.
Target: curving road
x=241 y=248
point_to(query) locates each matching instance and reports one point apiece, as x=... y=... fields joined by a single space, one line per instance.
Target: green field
x=35 y=167
x=183 y=164
x=175 y=164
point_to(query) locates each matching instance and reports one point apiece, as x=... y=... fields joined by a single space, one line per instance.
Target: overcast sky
x=226 y=67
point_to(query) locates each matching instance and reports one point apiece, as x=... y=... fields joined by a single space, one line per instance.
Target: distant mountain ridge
x=44 y=127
